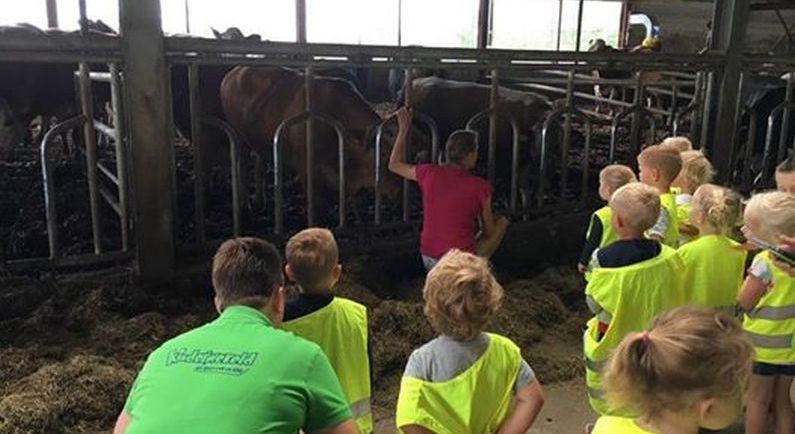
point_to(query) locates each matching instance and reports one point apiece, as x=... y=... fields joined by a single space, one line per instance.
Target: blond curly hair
x=461 y=295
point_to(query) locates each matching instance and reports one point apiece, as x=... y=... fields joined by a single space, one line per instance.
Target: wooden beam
x=148 y=102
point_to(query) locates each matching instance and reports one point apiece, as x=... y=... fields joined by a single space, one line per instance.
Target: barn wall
x=684 y=24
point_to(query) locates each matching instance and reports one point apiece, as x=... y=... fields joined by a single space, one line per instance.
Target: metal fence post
x=90 y=142
x=121 y=152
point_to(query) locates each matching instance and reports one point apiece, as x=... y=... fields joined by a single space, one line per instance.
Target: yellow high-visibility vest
x=605 y=216
x=617 y=425
x=340 y=329
x=771 y=324
x=626 y=298
x=668 y=205
x=476 y=401
x=714 y=268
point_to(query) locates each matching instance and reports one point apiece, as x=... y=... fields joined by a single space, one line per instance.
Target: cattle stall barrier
x=569 y=112
x=212 y=52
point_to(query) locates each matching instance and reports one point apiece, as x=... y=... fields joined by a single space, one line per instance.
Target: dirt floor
x=70 y=347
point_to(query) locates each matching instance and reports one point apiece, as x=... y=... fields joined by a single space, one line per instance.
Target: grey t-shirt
x=444 y=358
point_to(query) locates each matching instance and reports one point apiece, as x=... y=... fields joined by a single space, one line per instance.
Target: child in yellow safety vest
x=465 y=380
x=658 y=167
x=687 y=372
x=600 y=231
x=336 y=324
x=696 y=171
x=768 y=299
x=714 y=263
x=631 y=281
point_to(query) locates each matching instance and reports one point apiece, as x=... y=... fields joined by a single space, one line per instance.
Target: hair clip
x=646 y=337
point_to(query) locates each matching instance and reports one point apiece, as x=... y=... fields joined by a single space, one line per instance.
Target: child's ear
x=337 y=272
x=218 y=304
x=705 y=409
x=289 y=273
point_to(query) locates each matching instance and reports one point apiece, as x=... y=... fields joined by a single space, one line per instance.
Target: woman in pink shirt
x=455 y=203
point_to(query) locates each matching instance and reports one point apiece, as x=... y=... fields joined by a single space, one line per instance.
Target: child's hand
x=404 y=115
x=788 y=244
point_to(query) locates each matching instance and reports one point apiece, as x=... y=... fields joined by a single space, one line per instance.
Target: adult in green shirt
x=239 y=374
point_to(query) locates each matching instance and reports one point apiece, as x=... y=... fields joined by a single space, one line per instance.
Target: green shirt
x=236 y=375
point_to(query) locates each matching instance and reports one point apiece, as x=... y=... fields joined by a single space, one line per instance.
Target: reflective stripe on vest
x=773 y=312
x=771 y=323
x=475 y=401
x=340 y=330
x=594 y=366
x=601 y=314
x=595 y=393
x=770 y=341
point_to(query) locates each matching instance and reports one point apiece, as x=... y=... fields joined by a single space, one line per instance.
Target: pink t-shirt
x=452 y=201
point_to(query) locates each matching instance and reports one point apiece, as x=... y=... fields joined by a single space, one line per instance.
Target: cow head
x=235 y=34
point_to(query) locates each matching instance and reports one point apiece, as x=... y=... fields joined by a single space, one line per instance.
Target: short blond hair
x=775 y=212
x=720 y=206
x=696 y=169
x=616 y=176
x=687 y=355
x=311 y=255
x=666 y=159
x=461 y=295
x=637 y=204
x=681 y=143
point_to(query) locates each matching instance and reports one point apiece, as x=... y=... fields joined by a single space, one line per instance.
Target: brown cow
x=452 y=103
x=256 y=100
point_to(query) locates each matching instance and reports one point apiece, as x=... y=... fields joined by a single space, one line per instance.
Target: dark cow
x=30 y=90
x=760 y=96
x=256 y=100
x=452 y=103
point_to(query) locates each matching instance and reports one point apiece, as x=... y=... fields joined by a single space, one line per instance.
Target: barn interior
x=124 y=164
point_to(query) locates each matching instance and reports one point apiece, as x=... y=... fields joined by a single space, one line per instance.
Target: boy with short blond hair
x=659 y=166
x=336 y=324
x=600 y=231
x=631 y=281
x=465 y=380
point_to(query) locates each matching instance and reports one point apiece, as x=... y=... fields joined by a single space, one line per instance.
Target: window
x=522 y=24
x=600 y=19
x=35 y=12
x=440 y=23
x=174 y=18
x=533 y=25
x=272 y=19
x=372 y=22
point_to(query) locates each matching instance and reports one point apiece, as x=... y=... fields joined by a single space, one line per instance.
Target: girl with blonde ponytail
x=714 y=263
x=687 y=372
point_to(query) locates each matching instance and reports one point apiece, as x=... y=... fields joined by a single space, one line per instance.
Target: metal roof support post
x=152 y=152
x=52 y=14
x=732 y=21
x=484 y=8
x=579 y=25
x=300 y=20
